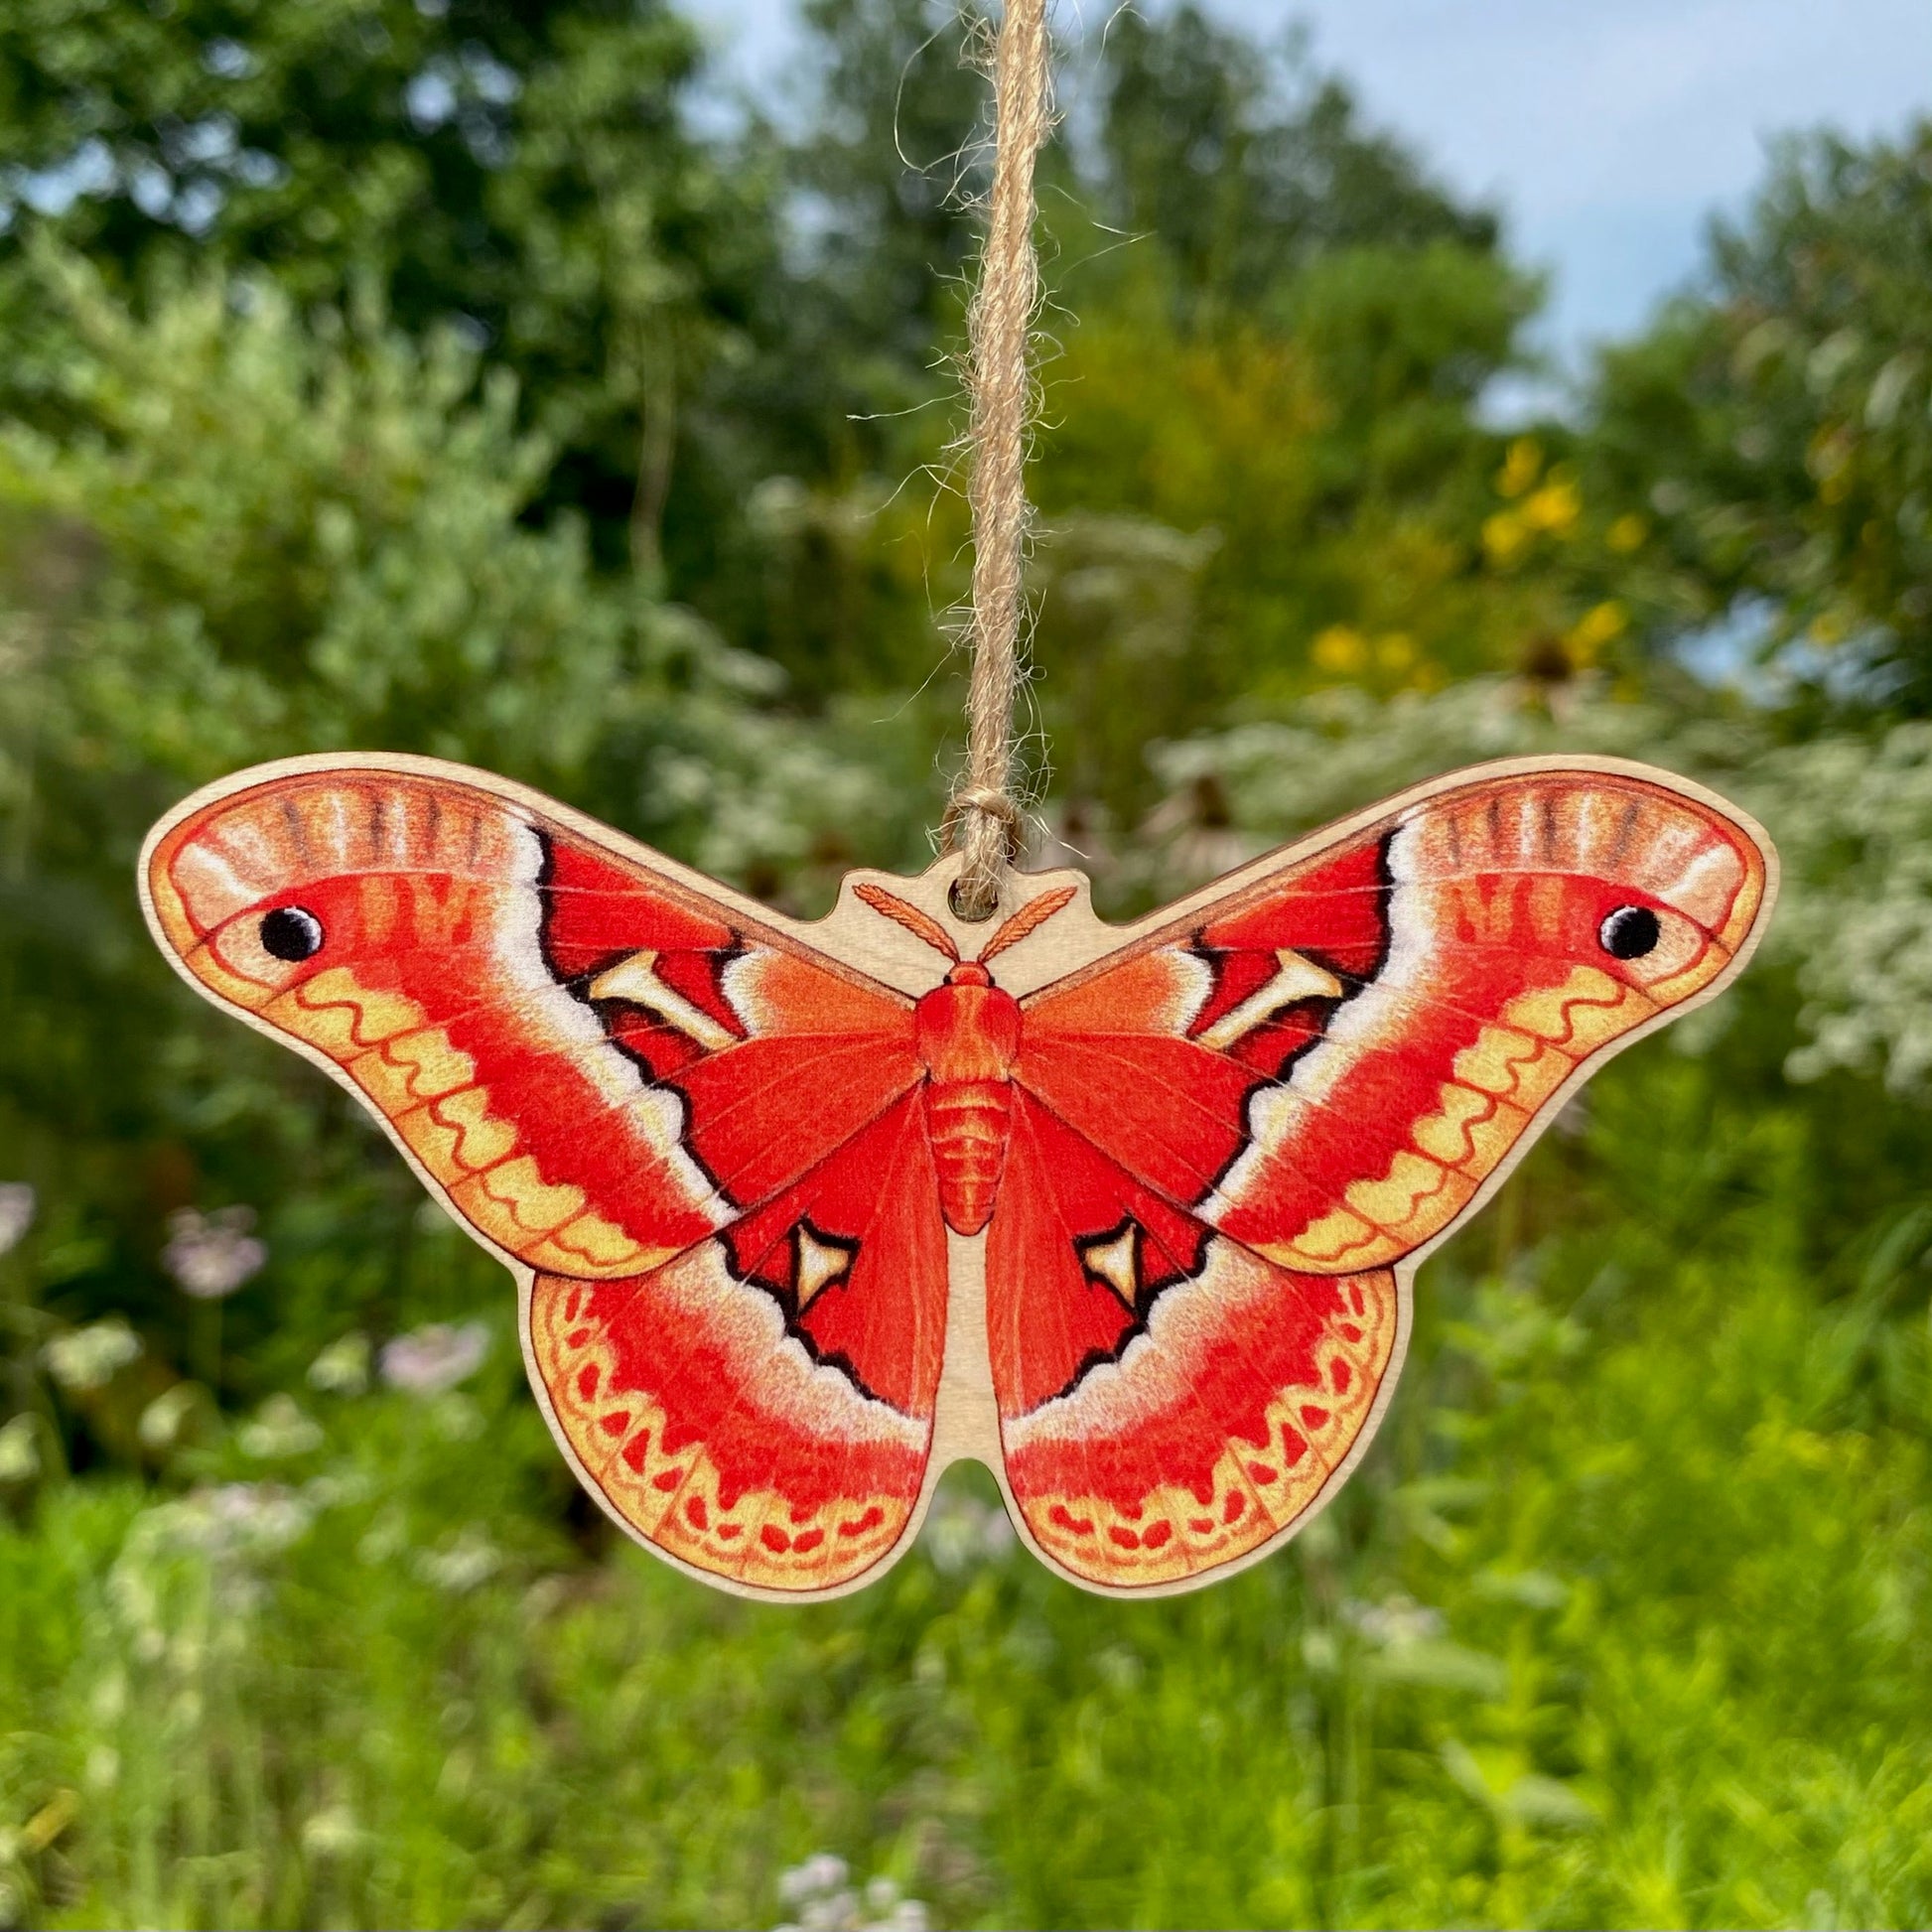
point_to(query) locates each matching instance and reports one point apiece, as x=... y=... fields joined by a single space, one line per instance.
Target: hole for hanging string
x=963 y=907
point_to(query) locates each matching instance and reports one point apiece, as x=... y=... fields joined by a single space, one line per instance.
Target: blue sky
x=1606 y=131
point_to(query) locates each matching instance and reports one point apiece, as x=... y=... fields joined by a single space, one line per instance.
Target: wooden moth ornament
x=799 y=1213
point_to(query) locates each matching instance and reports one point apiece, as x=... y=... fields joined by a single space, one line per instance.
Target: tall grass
x=1623 y=1621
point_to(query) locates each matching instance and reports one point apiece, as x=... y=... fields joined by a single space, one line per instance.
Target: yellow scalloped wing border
x=426 y=1087
x=1176 y=1535
x=1516 y=1064
x=672 y=1501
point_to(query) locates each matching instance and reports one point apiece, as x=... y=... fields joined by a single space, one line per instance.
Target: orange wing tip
x=1256 y=1492
x=675 y=1499
x=170 y=914
x=174 y=927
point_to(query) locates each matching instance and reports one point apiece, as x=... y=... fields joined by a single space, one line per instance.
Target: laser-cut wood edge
x=965 y=1421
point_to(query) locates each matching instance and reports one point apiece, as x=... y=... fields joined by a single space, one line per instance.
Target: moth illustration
x=801 y=1212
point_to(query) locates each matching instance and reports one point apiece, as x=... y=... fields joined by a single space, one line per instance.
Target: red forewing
x=1348 y=1048
x=637 y=1092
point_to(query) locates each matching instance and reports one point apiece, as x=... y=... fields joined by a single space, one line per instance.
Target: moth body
x=966 y=1033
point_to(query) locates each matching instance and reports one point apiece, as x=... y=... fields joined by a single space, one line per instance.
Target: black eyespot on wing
x=1630 y=932
x=291 y=932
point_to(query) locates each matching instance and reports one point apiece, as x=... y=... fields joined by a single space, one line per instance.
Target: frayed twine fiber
x=983 y=818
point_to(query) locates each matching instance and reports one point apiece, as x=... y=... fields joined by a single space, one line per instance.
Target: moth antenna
x=918 y=923
x=1036 y=913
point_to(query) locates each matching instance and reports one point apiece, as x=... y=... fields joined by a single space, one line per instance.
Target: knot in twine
x=983 y=802
x=983 y=819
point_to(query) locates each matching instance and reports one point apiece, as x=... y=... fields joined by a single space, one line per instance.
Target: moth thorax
x=967 y=1033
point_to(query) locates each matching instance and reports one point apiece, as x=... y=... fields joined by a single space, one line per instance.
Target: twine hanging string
x=983 y=818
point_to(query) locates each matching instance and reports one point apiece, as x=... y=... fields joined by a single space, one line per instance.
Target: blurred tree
x=740 y=348
x=884 y=176
x=1768 y=442
x=526 y=172
x=1272 y=383
x=1284 y=366
x=687 y=313
x=234 y=535
x=351 y=138
x=1333 y=446
x=852 y=393
x=1245 y=161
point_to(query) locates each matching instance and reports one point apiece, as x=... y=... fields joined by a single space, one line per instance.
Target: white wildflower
x=20 y=1450
x=1852 y=817
x=887 y=1910
x=17 y=1204
x=258 y=1517
x=823 y=1873
x=330 y=1833
x=429 y=1360
x=280 y=1428
x=343 y=1368
x=226 y=1523
x=163 y=1420
x=89 y=1358
x=211 y=1255
x=337 y=1488
x=1395 y=1621
x=819 y=1892
x=461 y=1566
x=191 y=1572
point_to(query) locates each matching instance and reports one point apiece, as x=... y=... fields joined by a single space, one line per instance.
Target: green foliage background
x=442 y=377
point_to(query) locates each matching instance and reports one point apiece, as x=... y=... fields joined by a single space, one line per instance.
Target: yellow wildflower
x=1555 y=507
x=1602 y=625
x=1505 y=536
x=1341 y=650
x=1521 y=467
